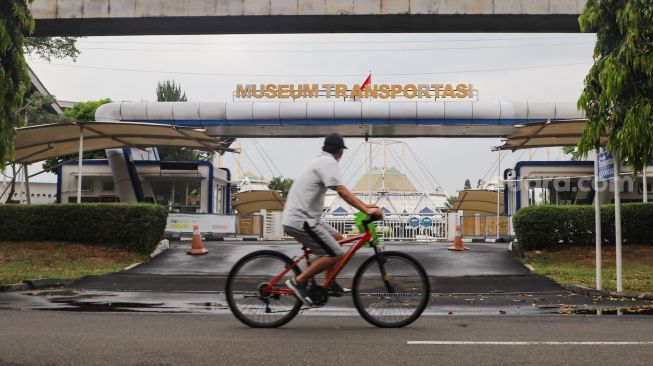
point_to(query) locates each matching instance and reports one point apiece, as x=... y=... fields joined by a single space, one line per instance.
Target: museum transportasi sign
x=372 y=91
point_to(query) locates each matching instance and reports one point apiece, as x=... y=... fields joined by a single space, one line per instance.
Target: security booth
x=189 y=189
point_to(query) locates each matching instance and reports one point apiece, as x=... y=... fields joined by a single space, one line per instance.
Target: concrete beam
x=135 y=17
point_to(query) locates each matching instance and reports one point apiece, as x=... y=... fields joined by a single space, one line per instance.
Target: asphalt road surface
x=73 y=338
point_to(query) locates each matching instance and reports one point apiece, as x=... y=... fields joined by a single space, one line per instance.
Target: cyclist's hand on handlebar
x=374 y=211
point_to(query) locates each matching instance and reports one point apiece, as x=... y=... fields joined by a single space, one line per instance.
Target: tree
x=169 y=91
x=618 y=94
x=468 y=184
x=82 y=111
x=281 y=184
x=451 y=200
x=85 y=111
x=48 y=48
x=15 y=24
x=572 y=151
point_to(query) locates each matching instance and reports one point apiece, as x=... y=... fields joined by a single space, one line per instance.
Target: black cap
x=333 y=142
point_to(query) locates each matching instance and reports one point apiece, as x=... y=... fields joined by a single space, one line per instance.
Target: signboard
x=373 y=91
x=213 y=225
x=606 y=166
x=413 y=222
x=427 y=222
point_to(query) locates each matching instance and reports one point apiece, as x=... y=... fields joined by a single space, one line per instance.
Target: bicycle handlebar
x=369 y=220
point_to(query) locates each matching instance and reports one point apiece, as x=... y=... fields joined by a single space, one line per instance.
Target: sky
x=506 y=67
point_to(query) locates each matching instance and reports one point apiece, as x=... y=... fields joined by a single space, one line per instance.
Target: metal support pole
x=645 y=185
x=79 y=164
x=498 y=194
x=617 y=220
x=369 y=173
x=597 y=222
x=27 y=193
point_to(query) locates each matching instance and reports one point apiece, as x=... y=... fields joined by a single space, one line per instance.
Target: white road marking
x=551 y=343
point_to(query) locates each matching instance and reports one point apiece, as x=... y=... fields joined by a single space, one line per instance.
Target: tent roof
x=254 y=201
x=36 y=143
x=545 y=134
x=478 y=201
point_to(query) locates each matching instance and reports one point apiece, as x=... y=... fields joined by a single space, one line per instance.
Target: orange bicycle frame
x=362 y=239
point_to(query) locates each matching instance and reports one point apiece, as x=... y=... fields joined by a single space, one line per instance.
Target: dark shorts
x=318 y=237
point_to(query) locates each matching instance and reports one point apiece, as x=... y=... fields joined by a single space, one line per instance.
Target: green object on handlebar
x=360 y=217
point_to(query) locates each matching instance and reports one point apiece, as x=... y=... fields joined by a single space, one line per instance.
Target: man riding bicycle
x=302 y=214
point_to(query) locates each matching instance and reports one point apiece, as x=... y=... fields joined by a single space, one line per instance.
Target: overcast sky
x=535 y=67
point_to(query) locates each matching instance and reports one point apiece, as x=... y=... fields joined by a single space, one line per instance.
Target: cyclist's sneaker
x=300 y=291
x=336 y=290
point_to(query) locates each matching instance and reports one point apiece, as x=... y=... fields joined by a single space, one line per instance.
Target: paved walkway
x=483 y=281
x=483 y=269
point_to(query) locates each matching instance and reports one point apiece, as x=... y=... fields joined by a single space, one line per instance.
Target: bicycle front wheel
x=249 y=295
x=391 y=290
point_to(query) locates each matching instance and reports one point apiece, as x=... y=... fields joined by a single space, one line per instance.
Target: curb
x=583 y=290
x=478 y=240
x=221 y=238
x=36 y=284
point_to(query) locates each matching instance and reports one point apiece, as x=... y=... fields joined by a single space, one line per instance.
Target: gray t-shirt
x=306 y=197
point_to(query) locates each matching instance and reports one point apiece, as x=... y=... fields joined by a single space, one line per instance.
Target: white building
x=195 y=187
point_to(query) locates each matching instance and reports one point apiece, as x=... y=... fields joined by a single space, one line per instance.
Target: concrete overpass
x=147 y=17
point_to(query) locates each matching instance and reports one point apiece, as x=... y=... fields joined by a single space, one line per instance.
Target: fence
x=485 y=226
x=400 y=228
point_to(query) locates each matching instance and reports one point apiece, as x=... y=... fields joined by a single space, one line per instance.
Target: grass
x=576 y=265
x=27 y=260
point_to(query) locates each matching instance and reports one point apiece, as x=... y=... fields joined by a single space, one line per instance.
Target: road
x=73 y=338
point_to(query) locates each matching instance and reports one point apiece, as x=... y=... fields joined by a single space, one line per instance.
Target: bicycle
x=390 y=289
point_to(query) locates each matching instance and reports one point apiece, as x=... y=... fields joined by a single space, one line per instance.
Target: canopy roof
x=36 y=143
x=479 y=201
x=255 y=201
x=545 y=134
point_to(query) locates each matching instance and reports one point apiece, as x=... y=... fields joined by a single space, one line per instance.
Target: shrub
x=137 y=227
x=539 y=227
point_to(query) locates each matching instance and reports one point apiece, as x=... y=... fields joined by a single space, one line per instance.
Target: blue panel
x=133 y=174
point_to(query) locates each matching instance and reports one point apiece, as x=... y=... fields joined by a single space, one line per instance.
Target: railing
x=398 y=228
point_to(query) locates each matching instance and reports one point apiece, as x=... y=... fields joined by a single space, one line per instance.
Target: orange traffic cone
x=198 y=247
x=458 y=241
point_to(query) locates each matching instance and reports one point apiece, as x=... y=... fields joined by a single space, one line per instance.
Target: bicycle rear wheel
x=245 y=293
x=391 y=289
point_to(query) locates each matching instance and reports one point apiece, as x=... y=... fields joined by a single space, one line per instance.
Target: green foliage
x=48 y=48
x=451 y=200
x=36 y=110
x=281 y=184
x=573 y=152
x=169 y=91
x=167 y=153
x=468 y=184
x=82 y=111
x=85 y=111
x=618 y=94
x=544 y=226
x=15 y=23
x=137 y=227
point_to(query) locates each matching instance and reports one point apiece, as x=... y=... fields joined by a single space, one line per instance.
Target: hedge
x=137 y=227
x=544 y=226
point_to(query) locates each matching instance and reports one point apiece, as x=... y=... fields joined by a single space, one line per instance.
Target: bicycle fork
x=380 y=259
